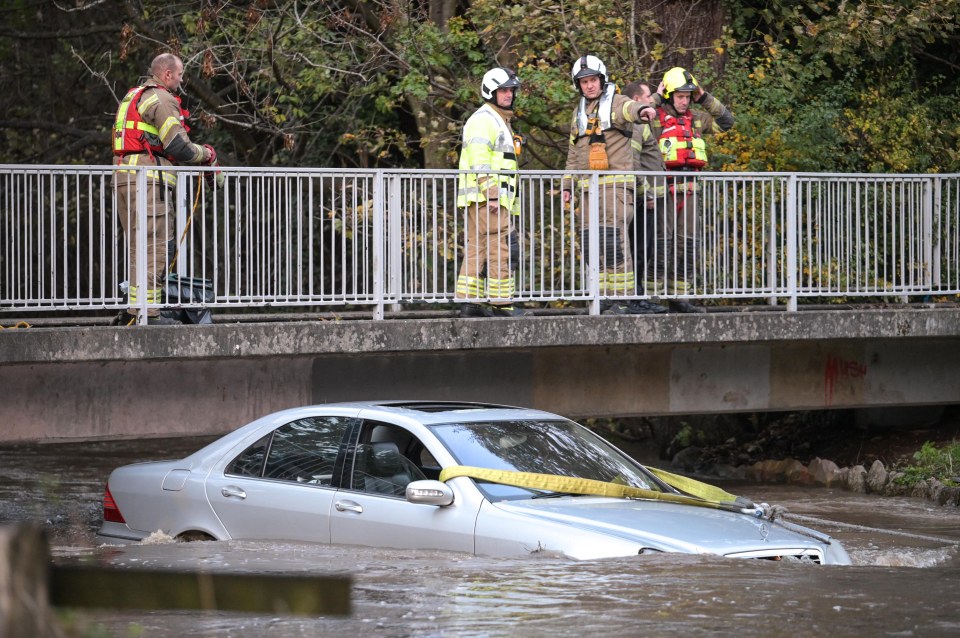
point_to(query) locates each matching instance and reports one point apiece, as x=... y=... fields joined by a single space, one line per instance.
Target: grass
x=930 y=461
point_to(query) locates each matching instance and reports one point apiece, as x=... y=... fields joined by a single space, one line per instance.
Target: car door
x=281 y=487
x=370 y=509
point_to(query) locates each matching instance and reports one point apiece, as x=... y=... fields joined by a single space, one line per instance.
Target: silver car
x=515 y=482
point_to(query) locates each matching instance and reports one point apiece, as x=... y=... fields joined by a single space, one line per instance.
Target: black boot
x=471 y=310
x=161 y=320
x=609 y=307
x=507 y=311
x=645 y=307
x=679 y=305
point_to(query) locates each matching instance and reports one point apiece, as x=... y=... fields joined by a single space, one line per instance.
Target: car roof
x=411 y=413
x=433 y=412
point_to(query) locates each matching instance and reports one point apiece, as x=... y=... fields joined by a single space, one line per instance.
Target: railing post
x=931 y=247
x=179 y=206
x=593 y=232
x=793 y=209
x=772 y=243
x=394 y=212
x=142 y=244
x=379 y=227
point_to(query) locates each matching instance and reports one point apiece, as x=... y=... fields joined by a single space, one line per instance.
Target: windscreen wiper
x=553 y=494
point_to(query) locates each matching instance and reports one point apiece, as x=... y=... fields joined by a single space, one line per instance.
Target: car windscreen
x=560 y=448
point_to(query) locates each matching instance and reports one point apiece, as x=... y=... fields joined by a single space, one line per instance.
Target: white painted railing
x=319 y=237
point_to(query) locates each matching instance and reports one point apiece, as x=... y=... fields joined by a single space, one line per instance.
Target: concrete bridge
x=97 y=381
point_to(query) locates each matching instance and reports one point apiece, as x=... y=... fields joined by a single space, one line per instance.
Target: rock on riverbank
x=852 y=450
x=876 y=480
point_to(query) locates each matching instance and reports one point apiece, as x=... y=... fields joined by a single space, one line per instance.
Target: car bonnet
x=668 y=526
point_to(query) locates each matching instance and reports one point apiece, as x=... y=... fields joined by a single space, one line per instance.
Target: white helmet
x=498 y=78
x=585 y=67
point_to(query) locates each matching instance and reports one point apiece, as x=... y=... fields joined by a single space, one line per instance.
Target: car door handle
x=233 y=491
x=348 y=506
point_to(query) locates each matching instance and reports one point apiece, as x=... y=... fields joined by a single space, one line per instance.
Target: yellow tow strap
x=690 y=486
x=572 y=485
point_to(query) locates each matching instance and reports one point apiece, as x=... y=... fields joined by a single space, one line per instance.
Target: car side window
x=303 y=451
x=250 y=461
x=384 y=461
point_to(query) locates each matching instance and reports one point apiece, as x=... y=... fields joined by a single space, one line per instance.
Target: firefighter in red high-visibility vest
x=150 y=130
x=680 y=130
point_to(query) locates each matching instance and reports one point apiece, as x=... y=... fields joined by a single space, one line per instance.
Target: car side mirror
x=429 y=493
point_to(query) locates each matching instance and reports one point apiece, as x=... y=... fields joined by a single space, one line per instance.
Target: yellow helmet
x=678 y=79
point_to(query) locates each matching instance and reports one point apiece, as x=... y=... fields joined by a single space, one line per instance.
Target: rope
x=186 y=227
x=19 y=324
x=864 y=528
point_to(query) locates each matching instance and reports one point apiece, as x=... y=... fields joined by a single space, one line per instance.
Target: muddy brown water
x=905 y=580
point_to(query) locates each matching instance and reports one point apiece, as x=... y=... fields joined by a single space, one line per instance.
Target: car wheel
x=193 y=535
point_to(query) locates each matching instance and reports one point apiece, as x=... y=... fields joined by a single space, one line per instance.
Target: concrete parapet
x=102 y=382
x=44 y=345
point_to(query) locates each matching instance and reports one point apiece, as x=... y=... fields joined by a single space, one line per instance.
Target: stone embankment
x=876 y=480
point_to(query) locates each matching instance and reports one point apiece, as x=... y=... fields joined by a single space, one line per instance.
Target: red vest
x=131 y=134
x=681 y=144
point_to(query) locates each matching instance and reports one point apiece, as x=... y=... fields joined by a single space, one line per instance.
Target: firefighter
x=646 y=157
x=150 y=130
x=600 y=140
x=680 y=130
x=491 y=200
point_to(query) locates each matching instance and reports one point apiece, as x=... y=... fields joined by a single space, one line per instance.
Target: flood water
x=905 y=580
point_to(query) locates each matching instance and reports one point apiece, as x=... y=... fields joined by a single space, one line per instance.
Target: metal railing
x=374 y=238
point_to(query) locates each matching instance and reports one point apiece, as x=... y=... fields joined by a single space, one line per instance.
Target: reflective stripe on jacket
x=681 y=142
x=713 y=118
x=130 y=133
x=647 y=157
x=623 y=113
x=603 y=112
x=488 y=146
x=150 y=121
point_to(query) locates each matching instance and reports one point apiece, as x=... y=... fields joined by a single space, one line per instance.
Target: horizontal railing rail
x=286 y=238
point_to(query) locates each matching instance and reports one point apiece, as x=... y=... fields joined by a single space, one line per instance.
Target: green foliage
x=787 y=118
x=930 y=461
x=860 y=85
x=688 y=436
x=895 y=105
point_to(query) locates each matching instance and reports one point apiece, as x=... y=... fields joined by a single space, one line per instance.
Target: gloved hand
x=212 y=160
x=214 y=179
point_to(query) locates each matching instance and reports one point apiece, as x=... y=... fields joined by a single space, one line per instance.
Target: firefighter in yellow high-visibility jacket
x=488 y=190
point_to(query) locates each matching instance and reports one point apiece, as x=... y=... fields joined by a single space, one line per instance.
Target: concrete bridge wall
x=58 y=383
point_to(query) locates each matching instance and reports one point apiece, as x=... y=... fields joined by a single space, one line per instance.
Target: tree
x=814 y=85
x=856 y=86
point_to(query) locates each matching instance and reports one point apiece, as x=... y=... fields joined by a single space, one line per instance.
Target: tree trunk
x=429 y=117
x=689 y=29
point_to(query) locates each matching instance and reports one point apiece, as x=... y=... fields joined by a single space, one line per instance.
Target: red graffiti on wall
x=836 y=370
